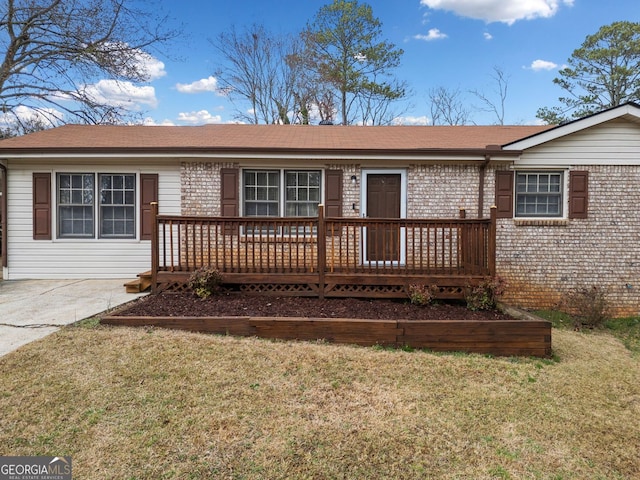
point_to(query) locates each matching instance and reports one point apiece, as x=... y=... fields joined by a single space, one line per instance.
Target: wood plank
x=503 y=338
x=350 y=331
x=518 y=337
x=238 y=326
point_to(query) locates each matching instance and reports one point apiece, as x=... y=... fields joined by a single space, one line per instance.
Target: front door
x=383 y=200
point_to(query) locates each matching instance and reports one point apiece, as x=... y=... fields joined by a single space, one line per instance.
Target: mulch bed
x=189 y=305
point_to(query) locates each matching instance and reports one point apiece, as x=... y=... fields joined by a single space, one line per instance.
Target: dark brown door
x=383 y=201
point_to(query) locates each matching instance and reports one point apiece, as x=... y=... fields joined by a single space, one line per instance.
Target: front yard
x=154 y=404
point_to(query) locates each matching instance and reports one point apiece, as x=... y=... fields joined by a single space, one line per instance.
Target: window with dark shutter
x=42 y=206
x=504 y=194
x=333 y=193
x=578 y=194
x=148 y=194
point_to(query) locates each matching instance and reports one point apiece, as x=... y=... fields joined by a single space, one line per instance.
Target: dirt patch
x=189 y=305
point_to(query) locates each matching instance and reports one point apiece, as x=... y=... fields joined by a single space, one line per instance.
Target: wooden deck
x=531 y=338
x=325 y=257
x=339 y=257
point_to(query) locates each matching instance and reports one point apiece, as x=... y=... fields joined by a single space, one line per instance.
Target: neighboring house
x=77 y=198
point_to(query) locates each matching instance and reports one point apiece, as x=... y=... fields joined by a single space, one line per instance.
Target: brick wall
x=542 y=261
x=200 y=183
x=439 y=191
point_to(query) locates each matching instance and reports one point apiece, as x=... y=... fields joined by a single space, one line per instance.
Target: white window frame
x=282 y=201
x=564 y=192
x=96 y=207
x=282 y=187
x=72 y=205
x=102 y=206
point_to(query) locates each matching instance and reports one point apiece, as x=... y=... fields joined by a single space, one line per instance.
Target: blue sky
x=450 y=43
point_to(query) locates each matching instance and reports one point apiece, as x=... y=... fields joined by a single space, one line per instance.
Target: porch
x=325 y=256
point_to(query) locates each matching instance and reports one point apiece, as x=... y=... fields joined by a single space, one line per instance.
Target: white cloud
x=434 y=34
x=198 y=118
x=152 y=67
x=423 y=120
x=487 y=36
x=505 y=11
x=209 y=84
x=25 y=114
x=151 y=122
x=538 y=65
x=144 y=63
x=122 y=94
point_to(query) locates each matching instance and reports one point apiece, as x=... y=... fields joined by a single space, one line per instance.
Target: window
x=78 y=209
x=539 y=194
x=263 y=195
x=303 y=194
x=117 y=206
x=75 y=205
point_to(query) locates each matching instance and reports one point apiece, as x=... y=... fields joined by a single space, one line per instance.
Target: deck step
x=140 y=284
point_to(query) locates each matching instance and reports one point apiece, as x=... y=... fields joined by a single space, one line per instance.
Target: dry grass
x=154 y=404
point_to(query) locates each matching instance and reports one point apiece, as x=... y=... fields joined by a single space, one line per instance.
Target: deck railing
x=264 y=247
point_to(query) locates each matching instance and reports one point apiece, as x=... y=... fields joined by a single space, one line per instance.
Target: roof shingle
x=267 y=137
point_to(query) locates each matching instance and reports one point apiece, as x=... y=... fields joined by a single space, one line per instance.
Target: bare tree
x=22 y=126
x=54 y=49
x=448 y=107
x=496 y=104
x=264 y=70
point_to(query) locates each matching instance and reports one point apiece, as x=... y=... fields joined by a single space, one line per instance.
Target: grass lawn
x=152 y=404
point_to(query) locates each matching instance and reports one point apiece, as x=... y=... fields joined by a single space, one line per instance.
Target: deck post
x=492 y=241
x=322 y=250
x=463 y=243
x=155 y=250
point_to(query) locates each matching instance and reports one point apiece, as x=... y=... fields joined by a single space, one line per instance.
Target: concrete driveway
x=32 y=309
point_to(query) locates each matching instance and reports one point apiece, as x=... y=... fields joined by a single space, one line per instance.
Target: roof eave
x=185 y=151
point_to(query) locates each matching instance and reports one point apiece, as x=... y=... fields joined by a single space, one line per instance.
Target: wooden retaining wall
x=531 y=338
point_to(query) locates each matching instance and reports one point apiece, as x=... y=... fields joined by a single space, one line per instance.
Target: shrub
x=588 y=306
x=422 y=294
x=205 y=281
x=484 y=295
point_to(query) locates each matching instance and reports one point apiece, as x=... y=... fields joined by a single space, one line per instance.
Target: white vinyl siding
x=64 y=258
x=613 y=143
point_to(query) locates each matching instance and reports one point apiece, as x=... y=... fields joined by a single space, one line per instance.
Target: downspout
x=3 y=215
x=483 y=168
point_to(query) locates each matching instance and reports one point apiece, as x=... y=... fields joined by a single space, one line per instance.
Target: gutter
x=213 y=150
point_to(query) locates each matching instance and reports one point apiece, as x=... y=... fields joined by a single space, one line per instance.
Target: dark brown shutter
x=42 y=206
x=504 y=194
x=333 y=193
x=578 y=193
x=148 y=194
x=230 y=198
x=229 y=193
